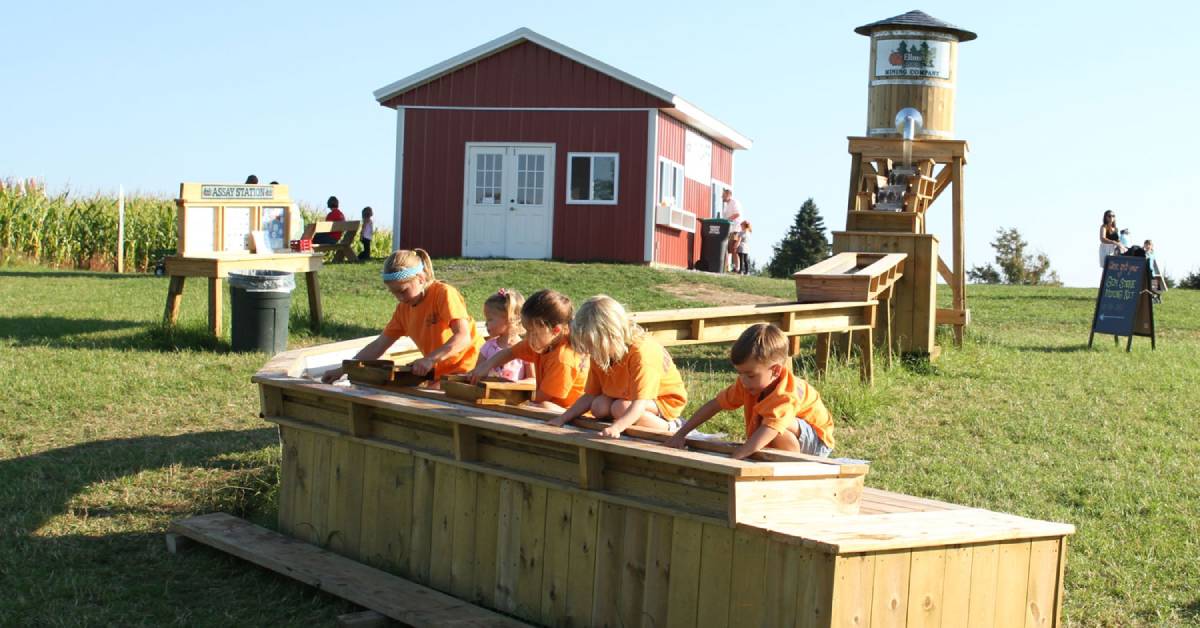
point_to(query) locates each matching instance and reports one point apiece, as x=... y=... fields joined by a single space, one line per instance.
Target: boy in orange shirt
x=631 y=380
x=431 y=313
x=781 y=410
x=560 y=372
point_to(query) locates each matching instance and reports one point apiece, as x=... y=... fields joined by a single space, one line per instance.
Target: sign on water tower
x=914 y=61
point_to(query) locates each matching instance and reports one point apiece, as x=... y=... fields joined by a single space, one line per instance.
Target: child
x=366 y=232
x=631 y=379
x=743 y=257
x=781 y=410
x=334 y=215
x=502 y=311
x=561 y=372
x=430 y=312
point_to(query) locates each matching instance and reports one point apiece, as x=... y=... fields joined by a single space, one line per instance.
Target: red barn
x=525 y=148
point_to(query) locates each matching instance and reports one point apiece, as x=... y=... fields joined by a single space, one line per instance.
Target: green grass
x=111 y=427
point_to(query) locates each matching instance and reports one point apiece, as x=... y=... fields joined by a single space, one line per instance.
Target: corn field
x=61 y=230
x=81 y=232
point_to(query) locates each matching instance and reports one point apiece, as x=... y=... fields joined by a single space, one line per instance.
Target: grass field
x=111 y=427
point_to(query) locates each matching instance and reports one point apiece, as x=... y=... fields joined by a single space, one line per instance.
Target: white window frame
x=718 y=188
x=592 y=181
x=672 y=214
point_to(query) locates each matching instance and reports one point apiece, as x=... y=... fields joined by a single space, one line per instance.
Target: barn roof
x=680 y=109
x=917 y=19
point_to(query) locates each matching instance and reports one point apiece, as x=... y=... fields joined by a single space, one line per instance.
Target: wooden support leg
x=174 y=297
x=866 y=347
x=215 y=310
x=314 y=301
x=794 y=345
x=885 y=315
x=823 y=343
x=842 y=346
x=177 y=543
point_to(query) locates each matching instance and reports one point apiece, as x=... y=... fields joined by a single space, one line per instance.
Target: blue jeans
x=810 y=443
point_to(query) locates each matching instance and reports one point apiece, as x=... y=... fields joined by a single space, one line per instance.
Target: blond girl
x=431 y=313
x=561 y=373
x=502 y=314
x=631 y=379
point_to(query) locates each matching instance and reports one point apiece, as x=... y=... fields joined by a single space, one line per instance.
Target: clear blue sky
x=1069 y=108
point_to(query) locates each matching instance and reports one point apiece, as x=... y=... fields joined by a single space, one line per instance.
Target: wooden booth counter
x=557 y=526
x=216 y=266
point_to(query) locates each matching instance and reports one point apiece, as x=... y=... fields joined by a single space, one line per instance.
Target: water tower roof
x=920 y=20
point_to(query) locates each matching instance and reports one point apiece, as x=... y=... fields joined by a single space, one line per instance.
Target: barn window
x=670 y=211
x=592 y=178
x=717 y=204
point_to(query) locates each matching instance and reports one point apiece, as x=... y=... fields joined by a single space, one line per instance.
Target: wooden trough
x=849 y=276
x=561 y=527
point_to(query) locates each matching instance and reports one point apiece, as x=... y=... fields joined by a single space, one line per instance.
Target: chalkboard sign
x=1123 y=306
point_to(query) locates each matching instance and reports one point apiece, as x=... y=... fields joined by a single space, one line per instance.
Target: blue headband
x=405 y=273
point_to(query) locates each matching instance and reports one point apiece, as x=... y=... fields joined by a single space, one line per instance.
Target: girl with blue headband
x=432 y=313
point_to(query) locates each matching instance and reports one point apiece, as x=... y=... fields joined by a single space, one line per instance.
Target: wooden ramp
x=391 y=596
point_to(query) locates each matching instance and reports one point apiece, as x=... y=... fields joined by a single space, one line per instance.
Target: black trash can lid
x=262 y=280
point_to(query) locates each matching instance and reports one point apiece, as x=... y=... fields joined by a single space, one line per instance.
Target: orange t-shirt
x=791 y=399
x=428 y=324
x=646 y=372
x=561 y=373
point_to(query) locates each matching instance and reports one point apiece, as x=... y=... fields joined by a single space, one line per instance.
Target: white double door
x=508 y=203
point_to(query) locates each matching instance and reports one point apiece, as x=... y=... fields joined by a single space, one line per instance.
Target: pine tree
x=804 y=245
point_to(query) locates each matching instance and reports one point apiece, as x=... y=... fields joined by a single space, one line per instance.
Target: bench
x=343 y=249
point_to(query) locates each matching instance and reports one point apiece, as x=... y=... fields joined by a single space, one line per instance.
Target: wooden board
x=368 y=587
x=488 y=391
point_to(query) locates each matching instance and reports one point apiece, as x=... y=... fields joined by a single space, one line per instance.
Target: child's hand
x=332 y=375
x=422 y=367
x=610 y=432
x=476 y=375
x=676 y=441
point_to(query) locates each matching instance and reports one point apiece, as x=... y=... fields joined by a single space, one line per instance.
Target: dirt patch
x=715 y=295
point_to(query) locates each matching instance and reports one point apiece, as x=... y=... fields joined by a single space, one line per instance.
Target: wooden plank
x=531 y=551
x=889 y=603
x=782 y=502
x=174 y=299
x=959 y=244
x=956 y=588
x=289 y=478
x=1062 y=572
x=443 y=519
x=1042 y=592
x=466 y=441
x=585 y=520
x=632 y=585
x=815 y=594
x=1012 y=583
x=556 y=566
x=346 y=497
x=782 y=577
x=609 y=552
x=487 y=526
x=372 y=542
x=322 y=468
x=949 y=316
x=853 y=590
x=684 y=590
x=716 y=579
x=364 y=619
x=216 y=310
x=462 y=552
x=656 y=600
x=365 y=586
x=422 y=520
x=508 y=545
x=746 y=594
x=315 y=309
x=876 y=148
x=360 y=420
x=984 y=571
x=925 y=588
x=591 y=469
x=944 y=271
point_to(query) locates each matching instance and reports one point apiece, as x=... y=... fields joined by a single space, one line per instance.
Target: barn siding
x=526 y=75
x=434 y=166
x=672 y=246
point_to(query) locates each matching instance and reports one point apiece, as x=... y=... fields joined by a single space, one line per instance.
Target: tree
x=804 y=245
x=984 y=274
x=1191 y=282
x=1016 y=266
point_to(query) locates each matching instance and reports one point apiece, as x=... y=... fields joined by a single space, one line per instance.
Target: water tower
x=905 y=162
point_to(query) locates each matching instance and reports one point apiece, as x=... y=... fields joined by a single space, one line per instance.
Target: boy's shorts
x=810 y=443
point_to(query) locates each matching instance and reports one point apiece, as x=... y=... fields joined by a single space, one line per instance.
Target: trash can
x=713 y=240
x=261 y=302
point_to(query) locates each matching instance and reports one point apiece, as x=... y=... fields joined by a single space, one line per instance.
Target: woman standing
x=1110 y=243
x=732 y=210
